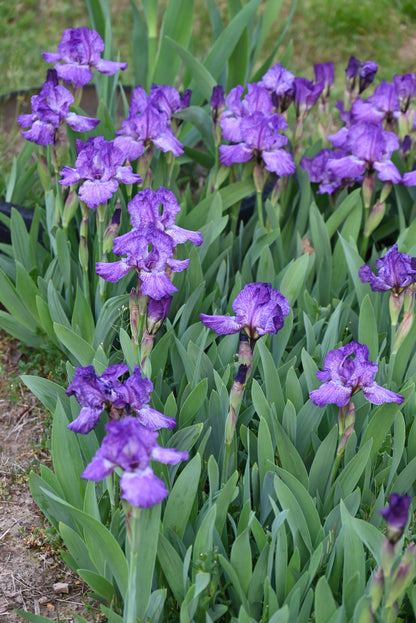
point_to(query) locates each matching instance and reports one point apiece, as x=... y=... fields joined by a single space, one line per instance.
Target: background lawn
x=322 y=30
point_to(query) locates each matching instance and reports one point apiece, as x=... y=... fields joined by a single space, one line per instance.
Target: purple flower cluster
x=364 y=146
x=253 y=128
x=50 y=110
x=149 y=247
x=258 y=308
x=80 y=51
x=100 y=164
x=347 y=370
x=130 y=442
x=149 y=121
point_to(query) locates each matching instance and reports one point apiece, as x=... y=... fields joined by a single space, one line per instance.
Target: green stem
x=259 y=206
x=129 y=612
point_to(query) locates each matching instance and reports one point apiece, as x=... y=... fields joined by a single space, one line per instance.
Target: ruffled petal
x=87 y=420
x=142 y=488
x=379 y=395
x=154 y=419
x=331 y=393
x=223 y=325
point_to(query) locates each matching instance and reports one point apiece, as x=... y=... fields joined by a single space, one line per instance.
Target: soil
x=32 y=576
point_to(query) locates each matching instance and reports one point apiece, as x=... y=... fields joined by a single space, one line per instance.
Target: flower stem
x=132 y=525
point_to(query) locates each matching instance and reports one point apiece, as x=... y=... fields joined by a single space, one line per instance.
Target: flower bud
x=376 y=589
x=403 y=331
x=405 y=574
x=70 y=208
x=112 y=230
x=368 y=186
x=395 y=306
x=157 y=311
x=44 y=173
x=396 y=516
x=374 y=218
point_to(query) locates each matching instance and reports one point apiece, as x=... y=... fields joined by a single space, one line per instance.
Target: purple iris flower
x=405 y=89
x=395 y=272
x=396 y=515
x=131 y=446
x=49 y=110
x=320 y=173
x=98 y=393
x=281 y=83
x=382 y=105
x=148 y=123
x=347 y=370
x=366 y=74
x=100 y=164
x=148 y=251
x=371 y=148
x=258 y=308
x=261 y=138
x=325 y=73
x=306 y=95
x=168 y=100
x=256 y=100
x=160 y=207
x=80 y=50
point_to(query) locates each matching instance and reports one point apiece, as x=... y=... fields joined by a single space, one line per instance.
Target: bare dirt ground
x=32 y=577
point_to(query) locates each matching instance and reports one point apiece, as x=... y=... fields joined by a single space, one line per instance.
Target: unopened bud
x=403 y=331
x=134 y=316
x=403 y=577
x=385 y=191
x=111 y=231
x=368 y=186
x=157 y=311
x=377 y=588
x=83 y=253
x=395 y=306
x=388 y=553
x=44 y=173
x=70 y=208
x=374 y=218
x=259 y=178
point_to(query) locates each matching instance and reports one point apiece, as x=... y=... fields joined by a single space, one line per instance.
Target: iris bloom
x=395 y=272
x=80 y=50
x=160 y=207
x=98 y=393
x=306 y=95
x=258 y=308
x=149 y=252
x=281 y=83
x=347 y=370
x=261 y=138
x=382 y=105
x=50 y=109
x=100 y=165
x=130 y=446
x=325 y=73
x=320 y=173
x=371 y=148
x=149 y=121
x=396 y=516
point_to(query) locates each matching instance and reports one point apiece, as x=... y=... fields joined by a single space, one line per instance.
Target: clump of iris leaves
x=293 y=532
